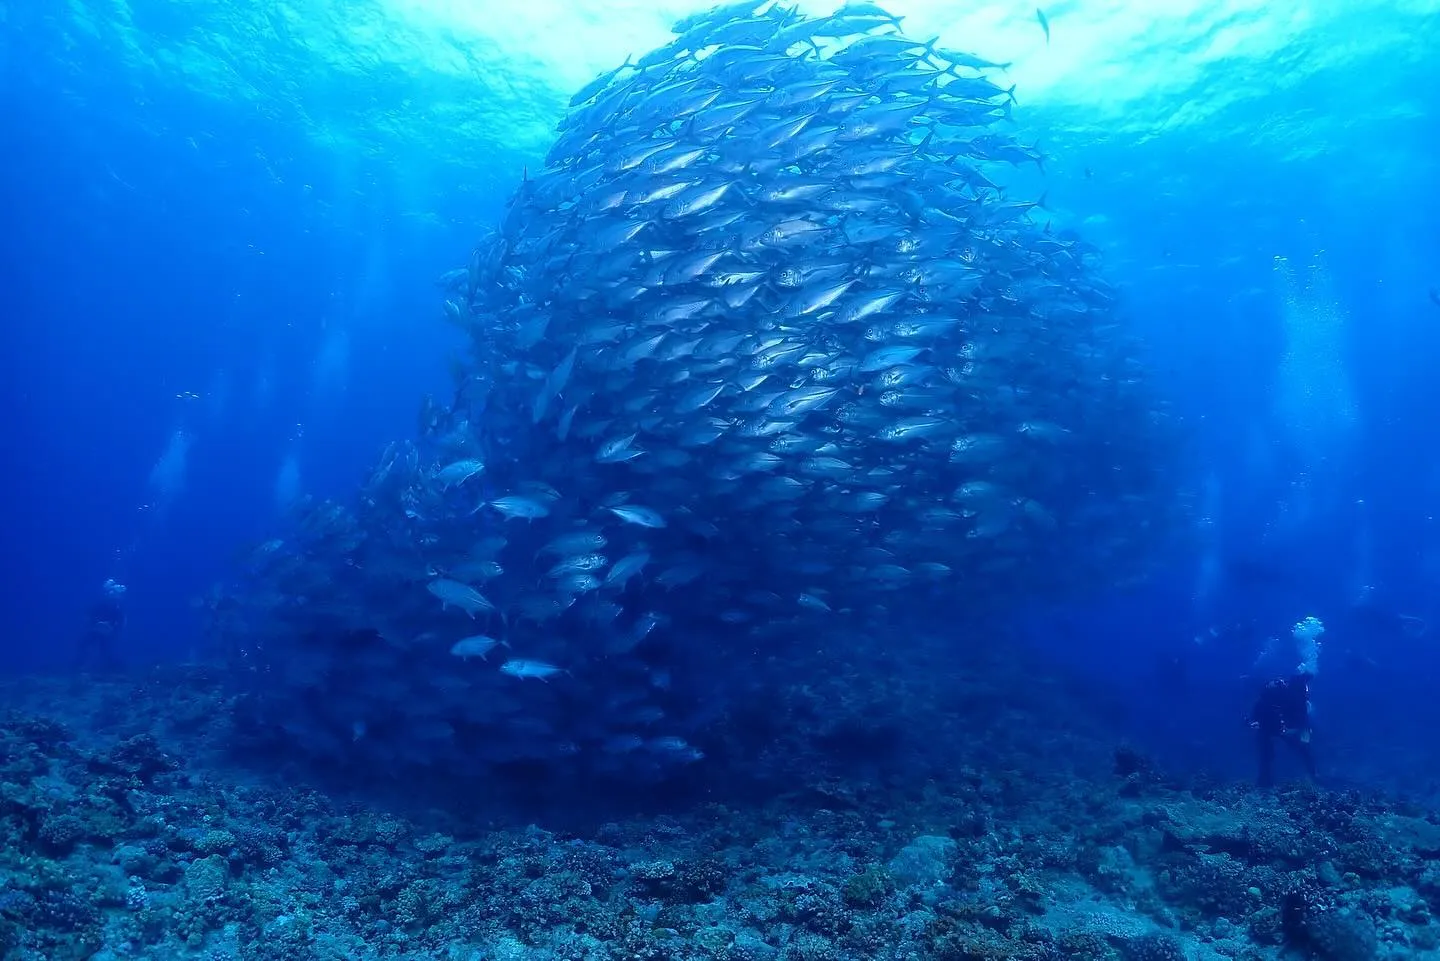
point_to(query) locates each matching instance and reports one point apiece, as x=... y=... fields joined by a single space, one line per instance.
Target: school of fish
x=767 y=351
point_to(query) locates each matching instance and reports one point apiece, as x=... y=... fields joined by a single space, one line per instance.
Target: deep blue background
x=160 y=239
x=137 y=270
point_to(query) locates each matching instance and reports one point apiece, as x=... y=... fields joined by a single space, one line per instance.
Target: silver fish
x=477 y=645
x=463 y=596
x=524 y=669
x=514 y=505
x=635 y=514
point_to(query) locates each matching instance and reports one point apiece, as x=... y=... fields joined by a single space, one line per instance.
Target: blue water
x=224 y=224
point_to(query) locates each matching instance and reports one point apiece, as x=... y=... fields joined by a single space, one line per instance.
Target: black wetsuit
x=1283 y=711
x=97 y=645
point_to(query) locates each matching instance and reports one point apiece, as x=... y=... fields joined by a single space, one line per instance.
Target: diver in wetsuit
x=106 y=618
x=1283 y=711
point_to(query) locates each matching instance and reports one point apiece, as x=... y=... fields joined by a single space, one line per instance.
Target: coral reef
x=124 y=837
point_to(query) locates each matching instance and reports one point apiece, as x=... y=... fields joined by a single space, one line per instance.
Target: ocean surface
x=329 y=328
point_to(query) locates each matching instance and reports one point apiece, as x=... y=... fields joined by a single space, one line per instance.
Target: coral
x=924 y=862
x=1210 y=883
x=193 y=865
x=206 y=878
x=868 y=888
x=139 y=757
x=59 y=833
x=1153 y=947
x=1342 y=935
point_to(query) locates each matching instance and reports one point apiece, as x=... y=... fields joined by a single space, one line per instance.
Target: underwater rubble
x=768 y=352
x=123 y=838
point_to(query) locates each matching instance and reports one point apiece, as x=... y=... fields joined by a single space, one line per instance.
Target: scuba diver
x=106 y=619
x=1282 y=711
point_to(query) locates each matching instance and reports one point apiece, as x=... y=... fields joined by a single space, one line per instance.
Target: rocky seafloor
x=129 y=832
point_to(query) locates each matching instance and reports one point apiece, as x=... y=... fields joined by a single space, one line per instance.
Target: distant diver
x=106 y=618
x=1282 y=711
x=1435 y=296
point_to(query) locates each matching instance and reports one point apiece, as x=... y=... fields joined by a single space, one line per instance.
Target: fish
x=891 y=356
x=578 y=542
x=675 y=748
x=515 y=505
x=1044 y=24
x=802 y=400
x=458 y=472
x=617 y=450
x=477 y=645
x=776 y=340
x=635 y=514
x=626 y=567
x=578 y=564
x=456 y=594
x=524 y=669
x=591 y=89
